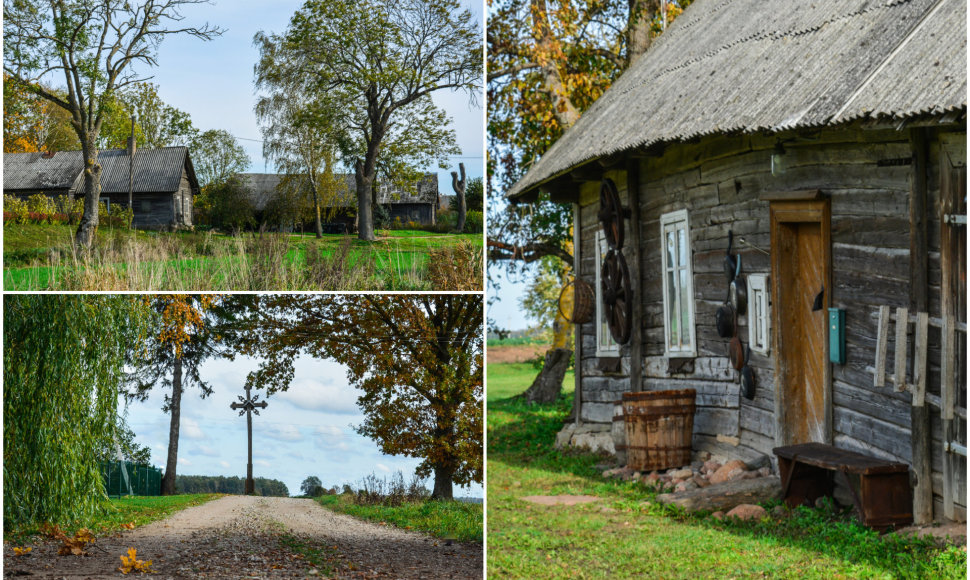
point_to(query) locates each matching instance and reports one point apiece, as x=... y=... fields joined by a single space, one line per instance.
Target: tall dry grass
x=257 y=262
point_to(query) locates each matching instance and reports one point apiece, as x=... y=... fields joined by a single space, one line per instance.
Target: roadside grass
x=448 y=520
x=42 y=258
x=626 y=533
x=139 y=510
x=517 y=341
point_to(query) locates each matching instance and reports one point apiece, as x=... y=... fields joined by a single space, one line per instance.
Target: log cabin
x=163 y=181
x=817 y=153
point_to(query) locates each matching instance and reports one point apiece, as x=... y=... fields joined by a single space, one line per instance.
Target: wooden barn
x=163 y=181
x=418 y=204
x=815 y=153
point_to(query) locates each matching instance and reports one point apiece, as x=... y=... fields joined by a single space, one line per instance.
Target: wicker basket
x=659 y=427
x=577 y=301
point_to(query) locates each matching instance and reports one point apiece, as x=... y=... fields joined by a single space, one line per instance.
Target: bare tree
x=92 y=43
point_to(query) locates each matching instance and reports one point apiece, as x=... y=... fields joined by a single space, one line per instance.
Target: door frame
x=809 y=208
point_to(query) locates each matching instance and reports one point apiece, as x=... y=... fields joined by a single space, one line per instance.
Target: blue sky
x=213 y=81
x=306 y=430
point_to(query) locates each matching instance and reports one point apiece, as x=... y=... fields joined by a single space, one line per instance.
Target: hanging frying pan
x=724 y=320
x=747 y=377
x=730 y=265
x=736 y=353
x=738 y=294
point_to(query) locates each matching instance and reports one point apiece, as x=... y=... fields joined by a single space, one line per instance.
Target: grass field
x=41 y=257
x=627 y=534
x=450 y=520
x=137 y=510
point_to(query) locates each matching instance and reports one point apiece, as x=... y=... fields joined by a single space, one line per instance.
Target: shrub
x=474 y=222
x=382 y=217
x=393 y=492
x=17 y=209
x=456 y=268
x=41 y=204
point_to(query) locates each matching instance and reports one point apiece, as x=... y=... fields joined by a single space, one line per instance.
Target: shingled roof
x=155 y=170
x=745 y=66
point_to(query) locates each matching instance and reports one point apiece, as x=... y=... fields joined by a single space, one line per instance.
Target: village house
x=418 y=204
x=163 y=181
x=816 y=154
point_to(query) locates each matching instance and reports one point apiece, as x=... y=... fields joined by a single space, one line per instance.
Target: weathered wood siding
x=719 y=180
x=422 y=213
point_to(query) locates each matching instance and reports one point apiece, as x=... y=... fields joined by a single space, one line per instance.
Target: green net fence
x=126 y=478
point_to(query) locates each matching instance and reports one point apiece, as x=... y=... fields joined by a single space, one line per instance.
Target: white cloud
x=190 y=428
x=224 y=464
x=321 y=395
x=382 y=467
x=205 y=450
x=261 y=462
x=184 y=461
x=284 y=433
x=329 y=437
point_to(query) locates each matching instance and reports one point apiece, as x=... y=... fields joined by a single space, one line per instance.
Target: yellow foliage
x=21 y=551
x=131 y=563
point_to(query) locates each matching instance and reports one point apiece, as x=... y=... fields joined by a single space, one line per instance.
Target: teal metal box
x=837 y=335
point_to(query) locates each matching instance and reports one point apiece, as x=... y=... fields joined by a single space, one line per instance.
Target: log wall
x=866 y=173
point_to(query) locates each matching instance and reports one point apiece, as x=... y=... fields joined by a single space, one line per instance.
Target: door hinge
x=955 y=219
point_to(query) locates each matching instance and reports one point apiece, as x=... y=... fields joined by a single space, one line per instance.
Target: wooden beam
x=920 y=436
x=797 y=195
x=636 y=338
x=588 y=172
x=577 y=328
x=882 y=342
x=614 y=161
x=562 y=190
x=919 y=360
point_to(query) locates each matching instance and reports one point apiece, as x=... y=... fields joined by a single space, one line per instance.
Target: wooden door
x=801 y=265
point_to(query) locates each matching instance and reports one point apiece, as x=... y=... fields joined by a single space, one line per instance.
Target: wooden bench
x=880 y=489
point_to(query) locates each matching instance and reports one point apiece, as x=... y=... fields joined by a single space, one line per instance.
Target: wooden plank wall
x=719 y=179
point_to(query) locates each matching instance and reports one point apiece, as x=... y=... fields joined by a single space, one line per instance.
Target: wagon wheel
x=611 y=214
x=617 y=296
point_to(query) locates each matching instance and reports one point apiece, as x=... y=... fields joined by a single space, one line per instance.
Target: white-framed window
x=759 y=325
x=605 y=345
x=678 y=285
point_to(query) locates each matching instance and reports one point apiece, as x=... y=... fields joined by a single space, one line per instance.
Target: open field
x=625 y=533
x=41 y=257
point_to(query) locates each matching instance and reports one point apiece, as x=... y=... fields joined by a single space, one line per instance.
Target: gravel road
x=254 y=537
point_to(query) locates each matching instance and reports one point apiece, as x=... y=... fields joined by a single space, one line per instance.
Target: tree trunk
x=365 y=215
x=641 y=13
x=459 y=186
x=547 y=44
x=168 y=480
x=442 y=483
x=88 y=227
x=548 y=385
x=316 y=209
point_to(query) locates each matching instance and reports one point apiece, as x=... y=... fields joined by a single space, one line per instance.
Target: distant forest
x=231 y=485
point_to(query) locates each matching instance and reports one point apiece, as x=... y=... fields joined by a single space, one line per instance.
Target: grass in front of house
x=41 y=258
x=626 y=533
x=137 y=510
x=448 y=520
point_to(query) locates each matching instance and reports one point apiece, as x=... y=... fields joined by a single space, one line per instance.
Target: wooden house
x=829 y=137
x=418 y=204
x=163 y=181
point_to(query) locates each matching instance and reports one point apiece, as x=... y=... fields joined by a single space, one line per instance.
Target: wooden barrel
x=659 y=426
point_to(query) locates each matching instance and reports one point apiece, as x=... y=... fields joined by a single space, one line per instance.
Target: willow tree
x=91 y=45
x=417 y=359
x=379 y=62
x=63 y=366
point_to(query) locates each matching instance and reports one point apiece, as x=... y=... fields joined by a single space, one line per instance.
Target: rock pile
x=699 y=474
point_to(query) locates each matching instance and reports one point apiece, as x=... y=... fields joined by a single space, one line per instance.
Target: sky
x=213 y=81
x=306 y=430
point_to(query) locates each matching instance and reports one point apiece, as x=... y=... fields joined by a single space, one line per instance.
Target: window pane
x=671 y=250
x=673 y=316
x=684 y=309
x=682 y=251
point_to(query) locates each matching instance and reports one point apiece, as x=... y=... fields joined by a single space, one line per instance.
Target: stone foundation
x=595 y=437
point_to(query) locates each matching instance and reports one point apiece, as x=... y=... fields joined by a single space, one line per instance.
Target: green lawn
x=452 y=520
x=137 y=510
x=40 y=258
x=626 y=534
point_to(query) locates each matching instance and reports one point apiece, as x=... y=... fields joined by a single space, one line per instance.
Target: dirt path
x=252 y=537
x=517 y=353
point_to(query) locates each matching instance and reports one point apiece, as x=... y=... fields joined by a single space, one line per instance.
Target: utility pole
x=249 y=405
x=131 y=166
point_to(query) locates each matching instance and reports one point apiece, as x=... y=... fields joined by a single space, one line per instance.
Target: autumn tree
x=217 y=156
x=63 y=363
x=172 y=355
x=32 y=124
x=160 y=124
x=93 y=44
x=311 y=486
x=379 y=62
x=417 y=359
x=301 y=135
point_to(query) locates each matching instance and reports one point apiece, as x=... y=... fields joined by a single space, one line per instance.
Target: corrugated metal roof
x=754 y=65
x=155 y=170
